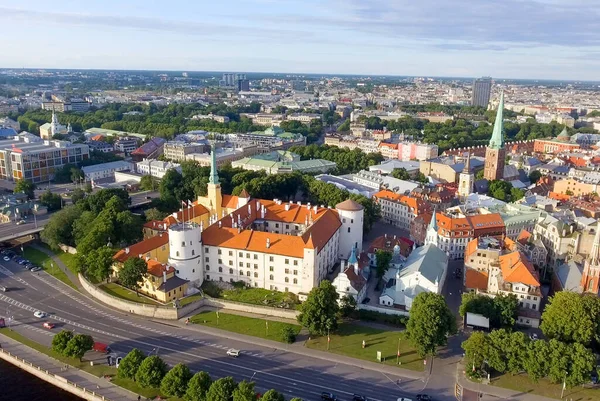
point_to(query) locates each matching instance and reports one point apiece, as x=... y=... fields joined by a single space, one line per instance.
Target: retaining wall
x=242 y=307
x=51 y=378
x=380 y=309
x=67 y=249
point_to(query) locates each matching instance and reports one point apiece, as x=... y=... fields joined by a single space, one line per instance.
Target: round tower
x=185 y=252
x=351 y=233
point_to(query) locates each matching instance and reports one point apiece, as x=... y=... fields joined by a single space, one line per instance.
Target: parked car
x=36 y=269
x=366 y=301
x=20 y=222
x=233 y=352
x=40 y=314
x=357 y=397
x=101 y=347
x=3 y=288
x=594 y=377
x=48 y=325
x=29 y=265
x=533 y=336
x=424 y=397
x=325 y=396
x=6 y=259
x=404 y=399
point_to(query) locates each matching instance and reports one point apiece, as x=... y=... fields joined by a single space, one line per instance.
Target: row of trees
x=348 y=161
x=501 y=310
x=179 y=381
x=74 y=345
x=513 y=352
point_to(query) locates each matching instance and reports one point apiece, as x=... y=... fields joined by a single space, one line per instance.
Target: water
x=18 y=385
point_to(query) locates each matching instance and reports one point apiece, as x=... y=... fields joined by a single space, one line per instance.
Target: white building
x=185 y=252
x=48 y=130
x=105 y=170
x=353 y=276
x=424 y=271
x=156 y=168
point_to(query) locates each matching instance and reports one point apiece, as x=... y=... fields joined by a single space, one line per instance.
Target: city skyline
x=510 y=40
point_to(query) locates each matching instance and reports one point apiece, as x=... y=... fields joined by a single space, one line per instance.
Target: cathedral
x=495 y=154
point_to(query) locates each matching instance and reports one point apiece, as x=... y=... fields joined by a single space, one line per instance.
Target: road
x=141 y=198
x=11 y=230
x=290 y=373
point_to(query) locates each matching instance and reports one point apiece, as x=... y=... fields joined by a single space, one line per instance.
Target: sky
x=544 y=39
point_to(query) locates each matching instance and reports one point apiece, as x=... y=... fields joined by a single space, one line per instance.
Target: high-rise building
x=243 y=85
x=482 y=88
x=495 y=154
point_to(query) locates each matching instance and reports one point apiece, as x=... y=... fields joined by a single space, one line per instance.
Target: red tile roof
x=143 y=247
x=476 y=279
x=516 y=268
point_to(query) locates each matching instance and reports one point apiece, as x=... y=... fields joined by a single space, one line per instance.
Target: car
x=29 y=265
x=366 y=301
x=328 y=396
x=6 y=258
x=594 y=377
x=20 y=222
x=35 y=269
x=148 y=198
x=22 y=261
x=48 y=325
x=233 y=352
x=40 y=314
x=404 y=399
x=3 y=288
x=357 y=397
x=424 y=397
x=533 y=336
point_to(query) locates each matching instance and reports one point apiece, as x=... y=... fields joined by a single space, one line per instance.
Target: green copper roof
x=497 y=140
x=214 y=177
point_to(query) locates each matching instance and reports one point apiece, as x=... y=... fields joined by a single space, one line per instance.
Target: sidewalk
x=83 y=379
x=74 y=279
x=299 y=348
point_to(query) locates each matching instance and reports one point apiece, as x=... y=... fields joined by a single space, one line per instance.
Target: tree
x=133 y=272
x=272 y=395
x=476 y=349
x=79 y=345
x=400 y=173
x=154 y=214
x=516 y=194
x=288 y=334
x=500 y=190
x=345 y=126
x=98 y=263
x=537 y=360
x=221 y=390
x=175 y=382
x=51 y=201
x=151 y=372
x=77 y=195
x=571 y=317
x=59 y=229
x=25 y=187
x=347 y=305
x=422 y=178
x=479 y=175
x=198 y=386
x=148 y=183
x=319 y=312
x=506 y=307
x=244 y=391
x=534 y=176
x=130 y=364
x=583 y=361
x=60 y=341
x=430 y=323
x=383 y=259
x=88 y=187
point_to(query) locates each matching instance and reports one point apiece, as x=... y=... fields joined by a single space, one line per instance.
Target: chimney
x=287 y=207
x=268 y=243
x=356 y=269
x=127 y=251
x=385 y=235
x=342 y=265
x=165 y=275
x=315 y=208
x=394 y=236
x=219 y=223
x=147 y=258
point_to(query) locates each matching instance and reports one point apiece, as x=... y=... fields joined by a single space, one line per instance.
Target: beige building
x=571 y=186
x=440 y=171
x=178 y=151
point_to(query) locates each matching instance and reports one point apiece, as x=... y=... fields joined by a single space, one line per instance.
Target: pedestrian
x=139 y=398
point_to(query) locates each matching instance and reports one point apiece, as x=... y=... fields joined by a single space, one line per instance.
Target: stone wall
x=67 y=249
x=242 y=307
x=51 y=378
x=382 y=309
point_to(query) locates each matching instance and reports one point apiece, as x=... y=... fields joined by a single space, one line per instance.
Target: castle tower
x=466 y=180
x=590 y=278
x=214 y=188
x=495 y=153
x=185 y=252
x=351 y=233
x=431 y=236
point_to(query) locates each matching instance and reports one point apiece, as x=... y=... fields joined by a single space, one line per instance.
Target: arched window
x=193 y=252
x=271 y=277
x=177 y=253
x=230 y=271
x=220 y=269
x=255 y=274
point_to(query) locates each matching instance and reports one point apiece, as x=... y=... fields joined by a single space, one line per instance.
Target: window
x=207 y=267
x=230 y=253
x=255 y=256
x=220 y=278
x=208 y=277
x=295 y=272
x=205 y=249
x=177 y=253
x=255 y=266
x=255 y=274
x=248 y=255
x=285 y=289
x=231 y=263
x=219 y=251
x=276 y=225
x=271 y=259
x=221 y=261
x=193 y=252
x=528 y=297
x=287 y=261
x=241 y=264
x=248 y=273
x=287 y=280
x=287 y=271
x=241 y=254
x=241 y=272
x=533 y=306
x=295 y=281
x=220 y=269
x=343 y=220
x=230 y=271
x=295 y=263
x=351 y=221
x=183 y=243
x=287 y=226
x=271 y=277
x=248 y=265
x=348 y=229
x=270 y=268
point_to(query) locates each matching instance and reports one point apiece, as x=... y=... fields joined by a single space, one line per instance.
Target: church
x=48 y=130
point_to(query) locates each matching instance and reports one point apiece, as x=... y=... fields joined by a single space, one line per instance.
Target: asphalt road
x=12 y=230
x=290 y=373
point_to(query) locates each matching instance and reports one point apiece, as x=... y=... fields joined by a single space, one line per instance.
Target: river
x=18 y=385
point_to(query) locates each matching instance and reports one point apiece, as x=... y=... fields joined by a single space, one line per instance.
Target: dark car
x=366 y=301
x=594 y=377
x=357 y=397
x=424 y=397
x=328 y=396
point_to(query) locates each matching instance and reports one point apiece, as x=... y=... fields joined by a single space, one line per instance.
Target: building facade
x=482 y=88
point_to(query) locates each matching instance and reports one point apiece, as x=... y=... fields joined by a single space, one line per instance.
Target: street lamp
x=562 y=392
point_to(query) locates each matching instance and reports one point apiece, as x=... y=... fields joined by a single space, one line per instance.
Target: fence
x=381 y=309
x=51 y=378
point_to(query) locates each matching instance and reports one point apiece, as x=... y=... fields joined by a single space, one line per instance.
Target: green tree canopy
x=175 y=382
x=151 y=371
x=319 y=312
x=59 y=229
x=400 y=173
x=244 y=391
x=501 y=310
x=130 y=364
x=60 y=341
x=133 y=272
x=52 y=201
x=272 y=395
x=198 y=386
x=221 y=389
x=534 y=176
x=430 y=323
x=25 y=187
x=79 y=345
x=383 y=259
x=148 y=183
x=97 y=263
x=571 y=317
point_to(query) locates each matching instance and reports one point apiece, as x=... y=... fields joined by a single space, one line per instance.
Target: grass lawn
x=545 y=388
x=98 y=370
x=244 y=325
x=128 y=295
x=188 y=300
x=255 y=296
x=69 y=260
x=348 y=341
x=41 y=259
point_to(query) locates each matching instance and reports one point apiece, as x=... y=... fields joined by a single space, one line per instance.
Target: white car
x=404 y=399
x=233 y=352
x=40 y=314
x=6 y=259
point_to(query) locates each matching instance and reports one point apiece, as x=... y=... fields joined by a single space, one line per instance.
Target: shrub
x=288 y=334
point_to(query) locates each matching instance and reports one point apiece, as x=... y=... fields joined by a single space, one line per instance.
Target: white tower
x=185 y=252
x=54 y=125
x=466 y=180
x=431 y=236
x=351 y=233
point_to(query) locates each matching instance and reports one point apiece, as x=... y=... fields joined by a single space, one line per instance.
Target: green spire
x=497 y=140
x=214 y=177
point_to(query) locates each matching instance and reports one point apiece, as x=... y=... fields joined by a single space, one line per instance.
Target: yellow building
x=156 y=248
x=162 y=284
x=571 y=186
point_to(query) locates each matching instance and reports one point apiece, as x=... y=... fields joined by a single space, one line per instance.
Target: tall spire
x=467 y=168
x=497 y=140
x=54 y=119
x=595 y=254
x=433 y=223
x=214 y=177
x=353 y=259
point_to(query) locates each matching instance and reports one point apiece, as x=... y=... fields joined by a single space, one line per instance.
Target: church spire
x=595 y=254
x=467 y=168
x=433 y=223
x=54 y=119
x=214 y=177
x=497 y=140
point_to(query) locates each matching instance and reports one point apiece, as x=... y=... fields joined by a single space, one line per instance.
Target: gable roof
x=476 y=279
x=516 y=268
x=429 y=260
x=142 y=247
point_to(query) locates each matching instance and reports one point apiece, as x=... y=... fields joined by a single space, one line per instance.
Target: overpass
x=10 y=231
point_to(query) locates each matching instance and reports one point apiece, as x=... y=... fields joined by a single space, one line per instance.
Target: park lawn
x=41 y=259
x=544 y=388
x=254 y=296
x=347 y=341
x=118 y=291
x=69 y=260
x=244 y=325
x=188 y=300
x=98 y=370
